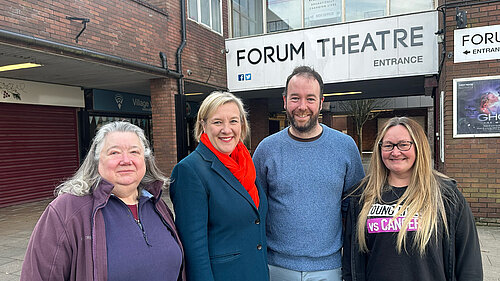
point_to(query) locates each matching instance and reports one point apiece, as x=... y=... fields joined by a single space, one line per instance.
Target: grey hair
x=87 y=177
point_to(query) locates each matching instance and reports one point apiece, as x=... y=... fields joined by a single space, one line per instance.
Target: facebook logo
x=241 y=77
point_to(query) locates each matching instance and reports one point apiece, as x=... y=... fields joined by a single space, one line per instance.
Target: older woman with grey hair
x=108 y=221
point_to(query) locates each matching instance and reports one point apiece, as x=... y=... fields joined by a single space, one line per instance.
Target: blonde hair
x=211 y=103
x=423 y=195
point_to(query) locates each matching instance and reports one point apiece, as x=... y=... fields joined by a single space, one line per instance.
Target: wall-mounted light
x=461 y=18
x=19 y=66
x=440 y=36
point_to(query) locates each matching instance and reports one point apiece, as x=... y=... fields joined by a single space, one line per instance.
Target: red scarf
x=240 y=164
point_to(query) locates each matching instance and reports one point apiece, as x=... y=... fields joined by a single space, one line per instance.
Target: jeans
x=283 y=274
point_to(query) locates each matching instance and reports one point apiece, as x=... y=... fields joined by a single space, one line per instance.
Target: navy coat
x=223 y=233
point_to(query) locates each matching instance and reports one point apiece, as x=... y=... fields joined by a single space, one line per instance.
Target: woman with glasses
x=406 y=221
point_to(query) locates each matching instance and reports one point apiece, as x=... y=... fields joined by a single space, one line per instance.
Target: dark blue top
x=144 y=250
x=222 y=231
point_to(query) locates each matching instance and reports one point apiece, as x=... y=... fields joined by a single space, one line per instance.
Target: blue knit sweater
x=304 y=182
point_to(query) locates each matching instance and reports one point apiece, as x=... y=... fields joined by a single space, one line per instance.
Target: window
x=247 y=17
x=364 y=9
x=283 y=15
x=405 y=6
x=321 y=12
x=207 y=12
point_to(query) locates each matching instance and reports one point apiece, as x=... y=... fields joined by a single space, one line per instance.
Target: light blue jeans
x=283 y=274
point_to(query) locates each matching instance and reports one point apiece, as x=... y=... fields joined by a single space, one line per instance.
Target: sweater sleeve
x=190 y=201
x=468 y=265
x=48 y=255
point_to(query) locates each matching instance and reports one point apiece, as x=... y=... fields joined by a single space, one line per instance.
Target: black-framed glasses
x=389 y=146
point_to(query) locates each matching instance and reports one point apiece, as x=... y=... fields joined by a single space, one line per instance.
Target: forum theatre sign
x=373 y=49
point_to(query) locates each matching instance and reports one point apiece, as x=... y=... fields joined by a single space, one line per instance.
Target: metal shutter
x=38 y=150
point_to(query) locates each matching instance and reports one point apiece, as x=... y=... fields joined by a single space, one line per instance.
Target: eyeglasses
x=402 y=145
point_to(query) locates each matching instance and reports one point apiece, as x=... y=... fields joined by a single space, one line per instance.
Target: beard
x=308 y=126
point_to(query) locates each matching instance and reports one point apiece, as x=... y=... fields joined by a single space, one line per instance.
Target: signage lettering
x=270 y=53
x=368 y=49
x=477 y=44
x=486 y=38
x=485 y=50
x=396 y=61
x=399 y=38
x=141 y=103
x=488 y=117
x=105 y=100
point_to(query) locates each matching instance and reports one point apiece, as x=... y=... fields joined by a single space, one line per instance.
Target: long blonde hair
x=423 y=195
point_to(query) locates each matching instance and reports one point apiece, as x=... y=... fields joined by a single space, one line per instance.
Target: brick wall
x=204 y=55
x=122 y=28
x=163 y=93
x=473 y=162
x=327 y=119
x=259 y=121
x=370 y=131
x=136 y=30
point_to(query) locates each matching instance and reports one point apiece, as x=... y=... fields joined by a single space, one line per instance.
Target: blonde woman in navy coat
x=220 y=211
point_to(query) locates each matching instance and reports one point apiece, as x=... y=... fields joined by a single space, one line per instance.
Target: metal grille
x=38 y=150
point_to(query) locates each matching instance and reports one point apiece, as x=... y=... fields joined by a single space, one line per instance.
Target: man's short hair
x=307 y=72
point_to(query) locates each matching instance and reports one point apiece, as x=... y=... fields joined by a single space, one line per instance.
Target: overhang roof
x=80 y=71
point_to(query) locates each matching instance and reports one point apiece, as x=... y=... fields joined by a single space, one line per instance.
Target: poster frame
x=458 y=94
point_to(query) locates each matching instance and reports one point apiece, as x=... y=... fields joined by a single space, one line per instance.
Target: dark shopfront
x=103 y=107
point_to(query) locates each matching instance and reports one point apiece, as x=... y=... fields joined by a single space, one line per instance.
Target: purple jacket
x=69 y=240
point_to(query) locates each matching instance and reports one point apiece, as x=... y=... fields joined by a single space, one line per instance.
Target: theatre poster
x=476 y=107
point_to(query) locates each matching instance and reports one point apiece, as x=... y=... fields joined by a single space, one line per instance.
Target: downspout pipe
x=13 y=38
x=180 y=105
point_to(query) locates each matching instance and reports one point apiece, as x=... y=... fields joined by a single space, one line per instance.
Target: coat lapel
x=224 y=172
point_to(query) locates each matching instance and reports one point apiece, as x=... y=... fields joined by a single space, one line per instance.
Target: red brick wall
x=473 y=162
x=122 y=28
x=327 y=119
x=125 y=28
x=204 y=55
x=259 y=121
x=163 y=93
x=369 y=134
x=136 y=30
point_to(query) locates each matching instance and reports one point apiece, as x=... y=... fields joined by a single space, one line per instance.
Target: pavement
x=17 y=223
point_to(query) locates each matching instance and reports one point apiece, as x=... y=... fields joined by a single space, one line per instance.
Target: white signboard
x=476 y=44
x=382 y=48
x=20 y=91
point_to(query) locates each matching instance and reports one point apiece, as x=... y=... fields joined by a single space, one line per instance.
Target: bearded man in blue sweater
x=305 y=170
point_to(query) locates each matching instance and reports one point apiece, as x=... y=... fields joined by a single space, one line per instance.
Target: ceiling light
x=341 y=94
x=193 y=94
x=18 y=66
